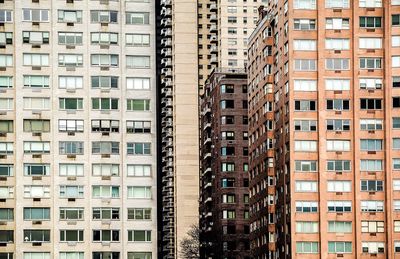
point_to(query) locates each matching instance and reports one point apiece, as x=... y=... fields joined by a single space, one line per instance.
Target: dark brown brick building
x=224 y=181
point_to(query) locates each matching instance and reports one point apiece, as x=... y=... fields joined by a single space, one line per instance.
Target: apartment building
x=224 y=182
x=223 y=28
x=78 y=129
x=178 y=84
x=334 y=76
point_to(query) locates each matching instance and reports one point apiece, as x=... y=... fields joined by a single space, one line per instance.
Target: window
x=339 y=206
x=6 y=126
x=339 y=186
x=71 y=148
x=371 y=83
x=70 y=60
x=139 y=192
x=305 y=65
x=370 y=22
x=36 y=169
x=70 y=103
x=306 y=186
x=105 y=104
x=370 y=43
x=338 y=145
x=137 y=18
x=305 y=125
x=373 y=247
x=137 y=40
x=6 y=104
x=337 y=64
x=371 y=186
x=372 y=206
x=104 y=235
x=37 y=60
x=305 y=105
x=138 y=83
x=70 y=125
x=305 y=166
x=371 y=124
x=139 y=170
x=104 y=82
x=139 y=235
x=228 y=135
x=338 y=165
x=36 y=191
x=371 y=165
x=104 y=38
x=372 y=227
x=396 y=185
x=337 y=4
x=139 y=213
x=305 y=146
x=36 y=125
x=306 y=206
x=228 y=198
x=305 y=45
x=370 y=63
x=228 y=214
x=36 y=103
x=340 y=226
x=371 y=144
x=6 y=170
x=105 y=214
x=227 y=167
x=339 y=247
x=305 y=4
x=32 y=15
x=396 y=226
x=370 y=104
x=338 y=125
x=71 y=169
x=105 y=169
x=105 y=191
x=6 y=148
x=36 y=37
x=304 y=24
x=70 y=16
x=36 y=235
x=306 y=247
x=6 y=16
x=71 y=235
x=34 y=81
x=395 y=19
x=71 y=213
x=337 y=23
x=306 y=227
x=371 y=3
x=105 y=147
x=138 y=148
x=70 y=82
x=138 y=126
x=395 y=81
x=139 y=255
x=6 y=215
x=396 y=41
x=138 y=61
x=138 y=105
x=6 y=192
x=305 y=85
x=105 y=126
x=104 y=16
x=36 y=147
x=105 y=255
x=337 y=44
x=6 y=82
x=104 y=60
x=337 y=84
x=70 y=38
x=36 y=213
x=338 y=104
x=71 y=191
x=71 y=255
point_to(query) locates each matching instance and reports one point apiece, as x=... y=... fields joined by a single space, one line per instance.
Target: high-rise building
x=329 y=82
x=178 y=84
x=78 y=129
x=224 y=181
x=223 y=28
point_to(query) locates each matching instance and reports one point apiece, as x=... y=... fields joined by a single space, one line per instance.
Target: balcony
x=166 y=62
x=207 y=155
x=213 y=28
x=213 y=7
x=213 y=18
x=166 y=3
x=213 y=39
x=166 y=92
x=207 y=125
x=166 y=52
x=214 y=59
x=166 y=32
x=166 y=22
x=166 y=42
x=166 y=12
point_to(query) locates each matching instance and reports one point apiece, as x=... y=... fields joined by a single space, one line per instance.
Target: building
x=335 y=142
x=224 y=182
x=261 y=134
x=223 y=29
x=78 y=129
x=178 y=84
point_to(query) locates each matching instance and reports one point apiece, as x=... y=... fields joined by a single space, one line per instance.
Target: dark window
x=245 y=120
x=396 y=81
x=396 y=102
x=245 y=104
x=370 y=22
x=374 y=104
x=395 y=19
